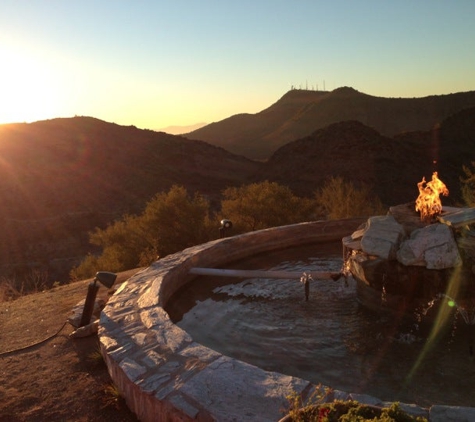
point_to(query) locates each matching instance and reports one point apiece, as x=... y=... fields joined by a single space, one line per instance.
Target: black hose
x=34 y=344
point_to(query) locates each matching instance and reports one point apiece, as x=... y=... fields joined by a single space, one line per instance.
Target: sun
x=27 y=87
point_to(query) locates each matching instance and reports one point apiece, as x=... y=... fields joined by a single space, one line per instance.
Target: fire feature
x=428 y=202
x=403 y=262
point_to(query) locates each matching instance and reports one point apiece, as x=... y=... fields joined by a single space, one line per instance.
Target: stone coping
x=166 y=376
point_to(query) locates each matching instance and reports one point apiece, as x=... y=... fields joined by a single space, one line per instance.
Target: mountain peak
x=346 y=90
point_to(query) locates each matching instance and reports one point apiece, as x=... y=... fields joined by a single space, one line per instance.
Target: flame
x=428 y=202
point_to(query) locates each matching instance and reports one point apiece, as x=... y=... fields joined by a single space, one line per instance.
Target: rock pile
x=401 y=264
x=401 y=236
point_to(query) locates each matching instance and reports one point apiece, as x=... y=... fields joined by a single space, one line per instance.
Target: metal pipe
x=261 y=274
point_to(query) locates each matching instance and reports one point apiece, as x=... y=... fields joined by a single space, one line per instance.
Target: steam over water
x=329 y=339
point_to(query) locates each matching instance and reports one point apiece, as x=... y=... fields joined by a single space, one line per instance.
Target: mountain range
x=300 y=112
x=60 y=178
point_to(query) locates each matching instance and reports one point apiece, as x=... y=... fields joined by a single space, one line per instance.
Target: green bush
x=263 y=205
x=173 y=221
x=341 y=199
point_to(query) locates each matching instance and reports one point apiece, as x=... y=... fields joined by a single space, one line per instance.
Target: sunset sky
x=179 y=62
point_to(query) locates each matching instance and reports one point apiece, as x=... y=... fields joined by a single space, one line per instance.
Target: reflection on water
x=328 y=339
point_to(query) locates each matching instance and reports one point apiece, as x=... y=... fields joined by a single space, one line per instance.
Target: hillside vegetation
x=61 y=178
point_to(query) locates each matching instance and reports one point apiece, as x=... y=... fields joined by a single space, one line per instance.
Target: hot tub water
x=329 y=339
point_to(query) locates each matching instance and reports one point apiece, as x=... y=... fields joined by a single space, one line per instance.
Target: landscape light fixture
x=225 y=226
x=105 y=278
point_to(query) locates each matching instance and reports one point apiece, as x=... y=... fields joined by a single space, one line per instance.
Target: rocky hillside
x=61 y=178
x=300 y=112
x=391 y=166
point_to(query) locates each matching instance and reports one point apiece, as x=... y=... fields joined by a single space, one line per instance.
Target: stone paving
x=165 y=376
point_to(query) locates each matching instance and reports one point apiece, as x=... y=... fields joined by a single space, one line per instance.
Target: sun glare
x=27 y=88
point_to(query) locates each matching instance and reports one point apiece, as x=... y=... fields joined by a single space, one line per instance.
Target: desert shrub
x=32 y=281
x=170 y=222
x=342 y=199
x=173 y=221
x=121 y=245
x=468 y=185
x=8 y=290
x=86 y=269
x=263 y=205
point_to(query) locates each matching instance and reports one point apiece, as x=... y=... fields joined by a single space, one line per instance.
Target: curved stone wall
x=164 y=375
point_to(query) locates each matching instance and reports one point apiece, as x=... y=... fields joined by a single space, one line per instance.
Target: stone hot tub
x=165 y=375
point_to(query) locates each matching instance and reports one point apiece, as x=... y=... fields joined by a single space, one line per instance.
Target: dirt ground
x=60 y=379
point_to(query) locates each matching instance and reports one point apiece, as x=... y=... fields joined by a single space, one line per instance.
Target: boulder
x=382 y=237
x=433 y=246
x=86 y=330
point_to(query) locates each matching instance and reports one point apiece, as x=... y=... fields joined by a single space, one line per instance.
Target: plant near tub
x=317 y=410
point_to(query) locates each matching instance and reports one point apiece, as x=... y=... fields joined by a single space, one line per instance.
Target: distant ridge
x=180 y=130
x=300 y=112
